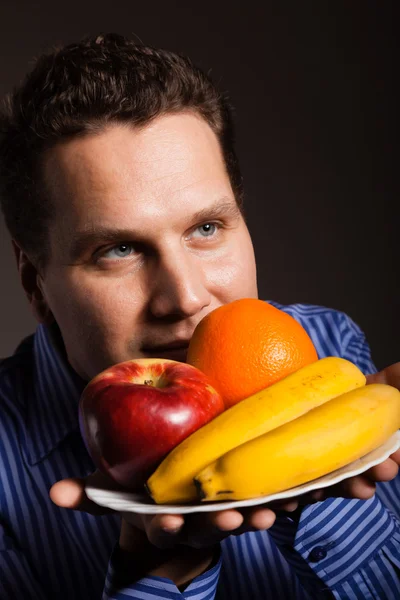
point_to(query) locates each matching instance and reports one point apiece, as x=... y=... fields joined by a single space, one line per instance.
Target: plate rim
x=108 y=498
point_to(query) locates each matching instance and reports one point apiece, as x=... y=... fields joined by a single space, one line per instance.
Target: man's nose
x=180 y=287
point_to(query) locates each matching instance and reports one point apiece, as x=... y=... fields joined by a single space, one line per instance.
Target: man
x=123 y=197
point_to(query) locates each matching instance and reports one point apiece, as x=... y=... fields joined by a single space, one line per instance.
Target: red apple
x=132 y=414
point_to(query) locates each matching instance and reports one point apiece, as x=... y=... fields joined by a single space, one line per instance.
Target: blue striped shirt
x=337 y=549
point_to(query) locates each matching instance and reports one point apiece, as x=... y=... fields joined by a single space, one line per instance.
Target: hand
x=169 y=530
x=390 y=376
x=202 y=529
x=363 y=486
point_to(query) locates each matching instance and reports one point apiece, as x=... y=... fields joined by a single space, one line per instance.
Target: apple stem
x=148 y=382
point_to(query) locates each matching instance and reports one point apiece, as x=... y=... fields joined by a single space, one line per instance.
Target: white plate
x=125 y=501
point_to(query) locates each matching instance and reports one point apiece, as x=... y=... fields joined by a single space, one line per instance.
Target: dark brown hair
x=79 y=89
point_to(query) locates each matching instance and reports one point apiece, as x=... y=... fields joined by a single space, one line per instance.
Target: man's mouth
x=173 y=351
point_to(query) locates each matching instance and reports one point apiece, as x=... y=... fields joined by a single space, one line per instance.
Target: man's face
x=147 y=239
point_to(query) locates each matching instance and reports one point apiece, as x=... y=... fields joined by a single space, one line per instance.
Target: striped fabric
x=335 y=549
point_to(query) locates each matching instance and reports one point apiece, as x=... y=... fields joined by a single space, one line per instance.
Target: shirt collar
x=57 y=389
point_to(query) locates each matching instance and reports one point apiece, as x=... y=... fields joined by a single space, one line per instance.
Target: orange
x=247 y=345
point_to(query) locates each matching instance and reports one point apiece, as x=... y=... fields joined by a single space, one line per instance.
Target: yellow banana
x=324 y=439
x=296 y=394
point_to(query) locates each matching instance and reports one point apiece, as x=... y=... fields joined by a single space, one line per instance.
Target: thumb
x=390 y=375
x=379 y=377
x=70 y=493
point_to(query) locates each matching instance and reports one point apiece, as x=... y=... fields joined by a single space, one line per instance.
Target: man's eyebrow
x=104 y=235
x=222 y=208
x=100 y=235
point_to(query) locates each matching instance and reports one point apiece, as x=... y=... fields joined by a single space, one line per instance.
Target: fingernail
x=172 y=530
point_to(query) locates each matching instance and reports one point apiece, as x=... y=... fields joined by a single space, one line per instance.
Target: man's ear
x=31 y=282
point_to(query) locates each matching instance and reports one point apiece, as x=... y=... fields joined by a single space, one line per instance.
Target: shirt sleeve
x=352 y=546
x=354 y=345
x=119 y=585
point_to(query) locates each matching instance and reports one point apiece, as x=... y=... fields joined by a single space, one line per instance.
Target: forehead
x=175 y=162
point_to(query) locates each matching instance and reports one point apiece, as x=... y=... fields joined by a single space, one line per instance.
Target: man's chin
x=178 y=354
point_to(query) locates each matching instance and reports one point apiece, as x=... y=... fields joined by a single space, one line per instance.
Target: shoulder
x=333 y=332
x=309 y=315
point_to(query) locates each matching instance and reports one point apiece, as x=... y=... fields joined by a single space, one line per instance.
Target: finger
x=390 y=375
x=224 y=520
x=254 y=519
x=376 y=378
x=259 y=518
x=145 y=531
x=292 y=504
x=206 y=530
x=245 y=519
x=359 y=487
x=385 y=471
x=315 y=496
x=164 y=531
x=169 y=523
x=70 y=493
x=396 y=457
x=209 y=523
x=284 y=505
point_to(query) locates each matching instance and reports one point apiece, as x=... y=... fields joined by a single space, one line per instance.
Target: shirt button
x=317 y=553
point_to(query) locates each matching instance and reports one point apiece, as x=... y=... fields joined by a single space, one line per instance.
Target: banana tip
x=199 y=490
x=148 y=491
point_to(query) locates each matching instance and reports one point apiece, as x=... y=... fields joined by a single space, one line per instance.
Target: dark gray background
x=312 y=83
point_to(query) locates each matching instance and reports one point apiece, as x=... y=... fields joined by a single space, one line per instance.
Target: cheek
x=99 y=309
x=234 y=275
x=99 y=322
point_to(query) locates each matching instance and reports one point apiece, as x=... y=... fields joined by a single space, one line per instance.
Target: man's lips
x=174 y=351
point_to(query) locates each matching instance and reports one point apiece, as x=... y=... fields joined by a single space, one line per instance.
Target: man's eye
x=120 y=251
x=206 y=230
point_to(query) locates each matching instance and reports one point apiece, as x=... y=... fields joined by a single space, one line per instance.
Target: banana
x=324 y=439
x=288 y=399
